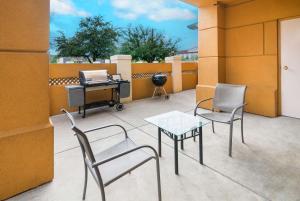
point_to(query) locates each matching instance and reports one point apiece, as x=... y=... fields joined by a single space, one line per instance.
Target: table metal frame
x=194 y=134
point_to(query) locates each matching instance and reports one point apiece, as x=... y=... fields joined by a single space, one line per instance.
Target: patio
x=266 y=168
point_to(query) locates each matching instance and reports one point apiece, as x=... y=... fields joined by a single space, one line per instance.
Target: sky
x=168 y=16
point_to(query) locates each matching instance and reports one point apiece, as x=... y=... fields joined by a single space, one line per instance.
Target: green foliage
x=94 y=39
x=53 y=59
x=193 y=58
x=147 y=44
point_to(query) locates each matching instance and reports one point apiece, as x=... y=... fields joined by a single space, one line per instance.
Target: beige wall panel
x=204 y=92
x=24 y=25
x=208 y=17
x=221 y=16
x=253 y=71
x=26 y=161
x=260 y=11
x=260 y=74
x=211 y=70
x=222 y=70
x=189 y=81
x=189 y=66
x=26 y=75
x=26 y=136
x=245 y=41
x=208 y=71
x=221 y=42
x=262 y=101
x=270 y=38
x=151 y=68
x=208 y=42
x=189 y=75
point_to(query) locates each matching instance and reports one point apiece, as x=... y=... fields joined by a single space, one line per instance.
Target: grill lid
x=93 y=76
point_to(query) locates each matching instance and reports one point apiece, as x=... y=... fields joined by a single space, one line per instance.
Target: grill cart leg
x=84 y=102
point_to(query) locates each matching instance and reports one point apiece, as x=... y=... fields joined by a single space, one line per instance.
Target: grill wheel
x=119 y=106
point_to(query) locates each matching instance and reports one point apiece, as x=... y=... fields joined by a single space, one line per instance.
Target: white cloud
x=157 y=10
x=66 y=7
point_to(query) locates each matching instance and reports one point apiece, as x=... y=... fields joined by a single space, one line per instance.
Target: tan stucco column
x=26 y=135
x=124 y=68
x=211 y=68
x=176 y=72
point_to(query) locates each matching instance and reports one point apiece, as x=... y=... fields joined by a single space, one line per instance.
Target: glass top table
x=179 y=126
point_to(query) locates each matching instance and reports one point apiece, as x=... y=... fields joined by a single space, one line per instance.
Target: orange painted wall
x=251 y=48
x=211 y=65
x=26 y=135
x=58 y=94
x=142 y=86
x=189 y=75
x=251 y=52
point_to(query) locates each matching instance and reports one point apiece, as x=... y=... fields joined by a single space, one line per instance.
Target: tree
x=94 y=39
x=147 y=44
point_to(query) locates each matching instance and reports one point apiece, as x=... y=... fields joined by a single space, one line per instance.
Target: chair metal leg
x=213 y=126
x=85 y=181
x=158 y=178
x=230 y=139
x=159 y=142
x=102 y=193
x=242 y=130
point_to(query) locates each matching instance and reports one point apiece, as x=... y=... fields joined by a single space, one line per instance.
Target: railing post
x=124 y=68
x=176 y=72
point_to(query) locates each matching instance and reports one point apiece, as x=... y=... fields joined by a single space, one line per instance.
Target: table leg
x=182 y=146
x=200 y=146
x=194 y=135
x=159 y=142
x=176 y=154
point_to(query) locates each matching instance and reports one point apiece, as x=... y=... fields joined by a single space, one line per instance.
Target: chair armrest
x=198 y=104
x=125 y=153
x=233 y=113
x=108 y=126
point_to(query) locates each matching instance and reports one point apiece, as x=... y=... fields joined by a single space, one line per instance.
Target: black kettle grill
x=159 y=80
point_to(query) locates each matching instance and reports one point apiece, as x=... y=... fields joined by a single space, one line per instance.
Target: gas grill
x=92 y=80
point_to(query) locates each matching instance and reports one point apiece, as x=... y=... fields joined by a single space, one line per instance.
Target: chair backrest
x=82 y=138
x=229 y=96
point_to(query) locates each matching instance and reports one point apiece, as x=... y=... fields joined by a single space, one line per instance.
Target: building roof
x=193 y=26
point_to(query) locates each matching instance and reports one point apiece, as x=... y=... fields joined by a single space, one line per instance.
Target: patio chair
x=113 y=163
x=227 y=107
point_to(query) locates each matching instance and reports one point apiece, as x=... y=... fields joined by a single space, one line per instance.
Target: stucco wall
x=26 y=135
x=142 y=86
x=251 y=50
x=189 y=75
x=251 y=41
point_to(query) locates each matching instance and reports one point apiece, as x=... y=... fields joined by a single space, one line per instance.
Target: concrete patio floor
x=267 y=167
